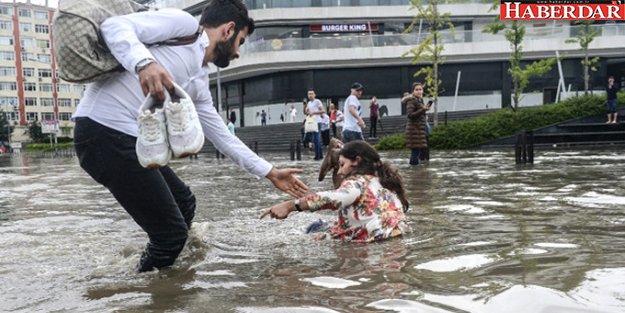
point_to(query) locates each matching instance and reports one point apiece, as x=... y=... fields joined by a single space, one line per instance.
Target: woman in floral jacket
x=370 y=201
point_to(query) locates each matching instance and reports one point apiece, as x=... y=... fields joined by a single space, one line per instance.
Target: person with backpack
x=106 y=118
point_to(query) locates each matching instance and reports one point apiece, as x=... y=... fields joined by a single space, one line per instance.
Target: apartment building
x=30 y=90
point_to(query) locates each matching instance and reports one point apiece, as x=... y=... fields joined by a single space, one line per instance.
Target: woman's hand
x=285 y=180
x=280 y=211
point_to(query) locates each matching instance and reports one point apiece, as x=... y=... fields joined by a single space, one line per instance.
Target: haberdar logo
x=598 y=10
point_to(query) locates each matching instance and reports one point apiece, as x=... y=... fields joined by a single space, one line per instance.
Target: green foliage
x=5 y=128
x=430 y=50
x=505 y=122
x=584 y=37
x=514 y=33
x=391 y=142
x=46 y=147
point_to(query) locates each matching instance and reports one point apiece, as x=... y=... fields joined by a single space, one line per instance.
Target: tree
x=584 y=37
x=514 y=33
x=35 y=134
x=431 y=49
x=5 y=127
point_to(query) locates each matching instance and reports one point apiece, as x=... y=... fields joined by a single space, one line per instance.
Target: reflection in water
x=488 y=235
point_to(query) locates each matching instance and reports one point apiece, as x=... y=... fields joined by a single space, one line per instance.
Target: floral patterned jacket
x=367 y=211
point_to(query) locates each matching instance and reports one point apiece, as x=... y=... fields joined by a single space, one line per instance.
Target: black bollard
x=298 y=150
x=529 y=135
x=292 y=151
x=218 y=154
x=445 y=118
x=524 y=148
x=518 y=150
x=256 y=147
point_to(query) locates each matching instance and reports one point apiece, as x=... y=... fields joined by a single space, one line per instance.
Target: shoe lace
x=150 y=127
x=179 y=117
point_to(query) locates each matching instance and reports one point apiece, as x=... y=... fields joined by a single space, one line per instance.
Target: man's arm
x=354 y=113
x=126 y=35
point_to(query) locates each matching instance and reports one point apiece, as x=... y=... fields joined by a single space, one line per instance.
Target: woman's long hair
x=371 y=164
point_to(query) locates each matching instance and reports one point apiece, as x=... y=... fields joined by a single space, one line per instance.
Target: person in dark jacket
x=416 y=125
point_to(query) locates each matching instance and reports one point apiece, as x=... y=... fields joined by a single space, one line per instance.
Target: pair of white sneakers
x=166 y=128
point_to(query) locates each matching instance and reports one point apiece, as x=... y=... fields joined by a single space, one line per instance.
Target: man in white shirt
x=315 y=107
x=353 y=123
x=106 y=118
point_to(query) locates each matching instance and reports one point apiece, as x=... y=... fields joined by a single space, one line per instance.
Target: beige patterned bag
x=81 y=54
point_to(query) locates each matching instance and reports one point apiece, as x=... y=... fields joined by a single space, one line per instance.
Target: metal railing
x=562 y=32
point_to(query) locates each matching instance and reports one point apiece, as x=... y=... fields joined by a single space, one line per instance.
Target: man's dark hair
x=218 y=12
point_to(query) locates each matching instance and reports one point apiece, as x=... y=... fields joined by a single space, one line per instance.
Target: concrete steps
x=278 y=137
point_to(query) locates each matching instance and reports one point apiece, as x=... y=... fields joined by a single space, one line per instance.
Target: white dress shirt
x=115 y=102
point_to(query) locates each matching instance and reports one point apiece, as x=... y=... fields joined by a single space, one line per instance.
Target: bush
x=505 y=122
x=47 y=147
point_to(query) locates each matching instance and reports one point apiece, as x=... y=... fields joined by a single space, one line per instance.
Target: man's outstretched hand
x=285 y=180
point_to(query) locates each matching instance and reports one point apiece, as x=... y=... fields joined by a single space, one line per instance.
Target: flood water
x=489 y=236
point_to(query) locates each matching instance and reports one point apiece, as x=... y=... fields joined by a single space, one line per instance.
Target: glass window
x=8 y=86
x=32 y=116
x=30 y=86
x=7 y=71
x=26 y=27
x=41 y=29
x=65 y=116
x=63 y=88
x=28 y=71
x=78 y=88
x=6 y=40
x=76 y=102
x=28 y=101
x=7 y=56
x=47 y=116
x=45 y=87
x=28 y=56
x=43 y=43
x=47 y=102
x=6 y=25
x=6 y=10
x=44 y=58
x=41 y=15
x=27 y=42
x=11 y=101
x=65 y=102
x=23 y=12
x=45 y=72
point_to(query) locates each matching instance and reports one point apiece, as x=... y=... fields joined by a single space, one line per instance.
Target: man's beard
x=224 y=51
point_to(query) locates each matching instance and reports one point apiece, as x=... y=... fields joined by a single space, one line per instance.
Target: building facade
x=329 y=44
x=30 y=90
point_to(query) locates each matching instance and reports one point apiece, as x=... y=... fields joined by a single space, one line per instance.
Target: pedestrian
x=370 y=202
x=333 y=111
x=231 y=126
x=353 y=125
x=611 y=91
x=292 y=114
x=106 y=119
x=263 y=118
x=340 y=118
x=374 y=113
x=325 y=129
x=314 y=108
x=416 y=125
x=281 y=117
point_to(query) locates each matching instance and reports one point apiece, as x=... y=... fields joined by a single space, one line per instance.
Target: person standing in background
x=374 y=113
x=611 y=91
x=292 y=114
x=352 y=129
x=415 y=127
x=315 y=107
x=332 y=110
x=325 y=129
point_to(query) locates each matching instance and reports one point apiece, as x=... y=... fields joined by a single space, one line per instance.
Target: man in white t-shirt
x=315 y=107
x=353 y=124
x=106 y=118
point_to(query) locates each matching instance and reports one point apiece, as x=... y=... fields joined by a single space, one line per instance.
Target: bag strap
x=181 y=41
